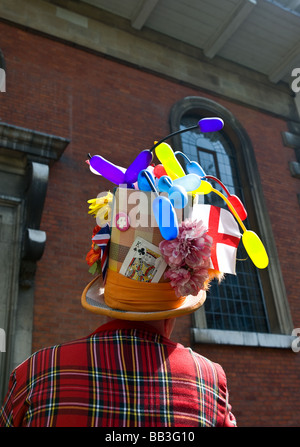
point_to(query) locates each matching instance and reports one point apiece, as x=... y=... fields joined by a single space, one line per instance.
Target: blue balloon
x=192 y=167
x=143 y=182
x=166 y=217
x=178 y=196
x=164 y=183
x=189 y=182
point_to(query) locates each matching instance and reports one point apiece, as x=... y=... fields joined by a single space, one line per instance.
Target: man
x=128 y=373
x=125 y=374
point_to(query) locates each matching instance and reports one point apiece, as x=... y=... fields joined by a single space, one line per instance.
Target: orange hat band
x=125 y=294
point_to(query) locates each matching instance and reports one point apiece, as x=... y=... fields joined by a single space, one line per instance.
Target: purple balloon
x=141 y=162
x=110 y=171
x=211 y=124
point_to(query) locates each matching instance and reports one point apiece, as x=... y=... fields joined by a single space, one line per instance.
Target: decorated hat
x=155 y=249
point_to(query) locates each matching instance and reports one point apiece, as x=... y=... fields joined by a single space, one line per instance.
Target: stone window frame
x=3 y=72
x=28 y=155
x=274 y=288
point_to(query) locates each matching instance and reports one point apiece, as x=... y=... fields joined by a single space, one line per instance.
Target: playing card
x=143 y=262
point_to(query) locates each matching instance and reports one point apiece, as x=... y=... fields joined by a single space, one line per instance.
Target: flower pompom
x=100 y=208
x=191 y=247
x=188 y=257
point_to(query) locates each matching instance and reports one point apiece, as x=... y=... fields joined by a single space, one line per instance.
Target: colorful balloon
x=189 y=182
x=107 y=169
x=253 y=245
x=163 y=211
x=164 y=183
x=165 y=217
x=178 y=196
x=159 y=170
x=255 y=249
x=166 y=156
x=192 y=167
x=212 y=124
x=233 y=199
x=232 y=209
x=238 y=206
x=142 y=161
x=143 y=180
x=204 y=188
x=91 y=169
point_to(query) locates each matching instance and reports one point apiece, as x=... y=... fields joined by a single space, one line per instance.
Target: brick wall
x=116 y=110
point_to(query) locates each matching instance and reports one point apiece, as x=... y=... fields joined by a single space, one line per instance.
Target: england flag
x=224 y=230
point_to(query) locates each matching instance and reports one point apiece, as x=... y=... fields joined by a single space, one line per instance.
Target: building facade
x=79 y=83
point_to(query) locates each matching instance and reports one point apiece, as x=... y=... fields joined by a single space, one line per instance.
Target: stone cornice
x=141 y=49
x=37 y=145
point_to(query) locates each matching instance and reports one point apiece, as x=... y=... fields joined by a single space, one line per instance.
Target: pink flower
x=179 y=279
x=191 y=246
x=187 y=282
x=188 y=258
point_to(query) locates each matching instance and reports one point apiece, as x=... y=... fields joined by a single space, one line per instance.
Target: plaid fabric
x=120 y=376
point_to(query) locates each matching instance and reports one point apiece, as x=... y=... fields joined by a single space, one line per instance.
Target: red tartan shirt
x=124 y=374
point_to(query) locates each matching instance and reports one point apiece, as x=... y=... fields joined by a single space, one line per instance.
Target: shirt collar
x=124 y=324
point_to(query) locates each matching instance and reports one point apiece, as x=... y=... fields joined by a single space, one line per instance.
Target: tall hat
x=155 y=248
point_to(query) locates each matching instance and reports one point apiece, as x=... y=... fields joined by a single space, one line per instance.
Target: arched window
x=238 y=303
x=253 y=300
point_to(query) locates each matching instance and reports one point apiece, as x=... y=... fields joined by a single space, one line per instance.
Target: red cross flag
x=224 y=230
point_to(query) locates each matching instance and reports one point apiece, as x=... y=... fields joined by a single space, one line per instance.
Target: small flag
x=224 y=230
x=102 y=239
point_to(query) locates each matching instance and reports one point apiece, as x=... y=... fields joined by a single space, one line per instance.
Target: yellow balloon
x=255 y=249
x=166 y=156
x=204 y=188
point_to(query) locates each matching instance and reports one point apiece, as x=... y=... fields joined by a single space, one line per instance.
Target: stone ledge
x=291 y=140
x=215 y=336
x=294 y=169
x=42 y=146
x=294 y=127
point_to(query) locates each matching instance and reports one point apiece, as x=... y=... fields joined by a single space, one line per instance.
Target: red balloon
x=159 y=171
x=238 y=206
